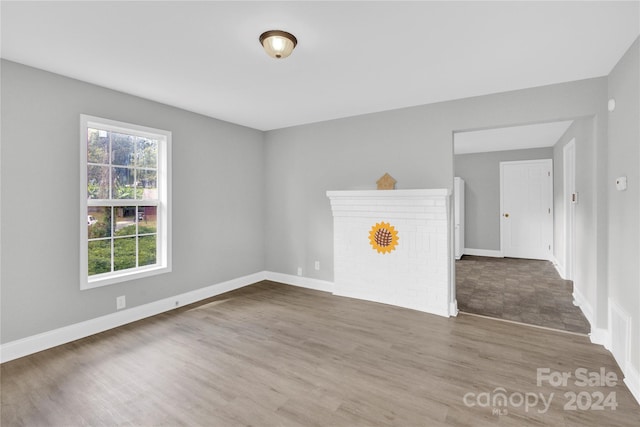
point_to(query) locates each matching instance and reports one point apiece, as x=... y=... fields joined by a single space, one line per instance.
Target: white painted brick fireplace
x=417 y=273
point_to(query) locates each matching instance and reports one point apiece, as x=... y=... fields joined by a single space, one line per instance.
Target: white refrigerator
x=458 y=215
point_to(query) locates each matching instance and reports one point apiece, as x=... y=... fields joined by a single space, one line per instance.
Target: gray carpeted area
x=520 y=290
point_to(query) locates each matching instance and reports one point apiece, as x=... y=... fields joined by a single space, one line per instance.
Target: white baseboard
x=599 y=336
x=300 y=281
x=33 y=344
x=632 y=380
x=559 y=267
x=453 y=308
x=581 y=301
x=483 y=252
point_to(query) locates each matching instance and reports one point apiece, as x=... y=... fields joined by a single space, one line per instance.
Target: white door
x=526 y=201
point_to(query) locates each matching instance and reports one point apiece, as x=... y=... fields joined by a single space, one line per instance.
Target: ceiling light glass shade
x=278 y=44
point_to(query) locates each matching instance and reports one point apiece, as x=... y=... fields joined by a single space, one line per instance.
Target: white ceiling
x=352 y=57
x=510 y=138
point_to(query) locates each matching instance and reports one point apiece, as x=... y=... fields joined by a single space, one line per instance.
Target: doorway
x=506 y=271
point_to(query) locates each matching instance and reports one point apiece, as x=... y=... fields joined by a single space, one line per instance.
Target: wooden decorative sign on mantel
x=386 y=182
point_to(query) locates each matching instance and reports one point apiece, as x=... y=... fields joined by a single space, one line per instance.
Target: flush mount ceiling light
x=278 y=44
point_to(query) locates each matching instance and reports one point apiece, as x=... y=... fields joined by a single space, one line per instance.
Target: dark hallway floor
x=520 y=290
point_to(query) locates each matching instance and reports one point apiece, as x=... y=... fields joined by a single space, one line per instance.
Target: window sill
x=125 y=276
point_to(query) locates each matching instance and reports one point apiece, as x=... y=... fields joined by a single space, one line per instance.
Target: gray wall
x=217 y=200
x=585 y=211
x=481 y=174
x=624 y=209
x=414 y=145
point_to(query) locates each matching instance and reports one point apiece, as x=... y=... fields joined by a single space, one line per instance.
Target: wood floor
x=276 y=355
x=521 y=290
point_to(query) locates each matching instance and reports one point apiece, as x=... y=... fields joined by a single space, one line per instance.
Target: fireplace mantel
x=390 y=202
x=416 y=272
x=428 y=192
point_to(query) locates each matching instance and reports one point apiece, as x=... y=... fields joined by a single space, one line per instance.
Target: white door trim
x=549 y=164
x=569 y=178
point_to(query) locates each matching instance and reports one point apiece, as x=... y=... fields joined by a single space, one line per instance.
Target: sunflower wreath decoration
x=383 y=237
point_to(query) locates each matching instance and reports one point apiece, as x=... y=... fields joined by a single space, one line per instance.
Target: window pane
x=97 y=182
x=124 y=184
x=147 y=184
x=122 y=149
x=124 y=253
x=147 y=153
x=147 y=220
x=99 y=221
x=97 y=146
x=125 y=220
x=147 y=250
x=99 y=257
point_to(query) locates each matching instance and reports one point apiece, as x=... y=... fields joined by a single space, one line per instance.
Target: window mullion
x=110 y=167
x=112 y=232
x=122 y=202
x=137 y=233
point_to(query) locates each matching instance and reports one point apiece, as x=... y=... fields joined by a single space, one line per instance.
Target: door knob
x=506 y=215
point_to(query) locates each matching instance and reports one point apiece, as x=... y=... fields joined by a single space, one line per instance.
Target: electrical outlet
x=299 y=271
x=317 y=265
x=121 y=302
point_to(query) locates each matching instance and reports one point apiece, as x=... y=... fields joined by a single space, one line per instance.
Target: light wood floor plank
x=275 y=355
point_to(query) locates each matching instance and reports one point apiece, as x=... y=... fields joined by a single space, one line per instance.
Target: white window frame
x=163 y=245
